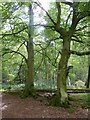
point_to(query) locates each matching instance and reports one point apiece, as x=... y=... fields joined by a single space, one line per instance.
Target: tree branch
x=49 y=59
x=79 y=41
x=77 y=16
x=18 y=73
x=43 y=48
x=59 y=12
x=46 y=13
x=80 y=53
x=82 y=28
x=17 y=52
x=59 y=53
x=83 y=15
x=39 y=64
x=47 y=26
x=68 y=18
x=3 y=35
x=68 y=3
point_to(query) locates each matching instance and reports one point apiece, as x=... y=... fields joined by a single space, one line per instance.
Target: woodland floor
x=12 y=106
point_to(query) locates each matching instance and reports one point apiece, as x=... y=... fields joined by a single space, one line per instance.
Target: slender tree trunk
x=88 y=79
x=62 y=72
x=29 y=86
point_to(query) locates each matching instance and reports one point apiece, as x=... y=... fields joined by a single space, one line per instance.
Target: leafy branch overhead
x=43 y=43
x=79 y=13
x=16 y=52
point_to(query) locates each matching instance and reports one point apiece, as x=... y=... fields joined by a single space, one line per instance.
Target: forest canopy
x=45 y=48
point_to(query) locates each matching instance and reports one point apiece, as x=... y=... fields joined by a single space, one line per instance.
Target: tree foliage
x=44 y=48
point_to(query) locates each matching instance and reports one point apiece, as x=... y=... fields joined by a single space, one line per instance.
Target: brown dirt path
x=13 y=106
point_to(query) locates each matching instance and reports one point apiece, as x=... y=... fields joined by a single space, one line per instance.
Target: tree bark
x=88 y=79
x=29 y=85
x=62 y=72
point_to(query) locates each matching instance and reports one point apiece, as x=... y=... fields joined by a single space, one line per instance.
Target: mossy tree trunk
x=66 y=33
x=29 y=84
x=62 y=72
x=88 y=79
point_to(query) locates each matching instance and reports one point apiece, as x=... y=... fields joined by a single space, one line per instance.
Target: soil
x=12 y=106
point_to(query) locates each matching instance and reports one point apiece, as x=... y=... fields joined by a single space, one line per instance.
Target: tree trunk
x=29 y=85
x=88 y=79
x=62 y=72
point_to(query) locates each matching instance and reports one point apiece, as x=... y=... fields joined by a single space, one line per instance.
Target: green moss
x=65 y=104
x=28 y=92
x=33 y=93
x=85 y=105
x=56 y=101
x=81 y=99
x=71 y=110
x=71 y=98
x=24 y=94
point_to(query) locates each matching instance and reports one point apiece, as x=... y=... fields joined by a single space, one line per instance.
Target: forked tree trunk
x=62 y=72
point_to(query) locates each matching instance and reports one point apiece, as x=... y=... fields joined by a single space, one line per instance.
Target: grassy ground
x=82 y=99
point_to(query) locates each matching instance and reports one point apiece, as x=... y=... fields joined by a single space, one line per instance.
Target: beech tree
x=15 y=32
x=68 y=20
x=79 y=11
x=88 y=79
x=29 y=88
